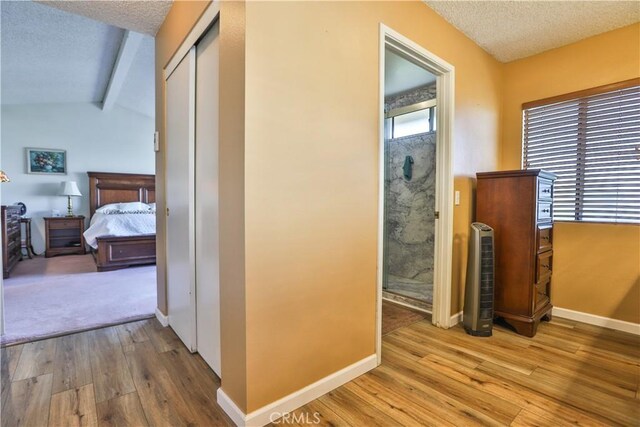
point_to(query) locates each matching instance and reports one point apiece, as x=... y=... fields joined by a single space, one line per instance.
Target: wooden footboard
x=122 y=252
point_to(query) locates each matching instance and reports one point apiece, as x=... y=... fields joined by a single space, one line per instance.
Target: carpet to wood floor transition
x=46 y=297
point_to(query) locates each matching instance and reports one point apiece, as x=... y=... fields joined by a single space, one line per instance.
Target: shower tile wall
x=420 y=94
x=410 y=208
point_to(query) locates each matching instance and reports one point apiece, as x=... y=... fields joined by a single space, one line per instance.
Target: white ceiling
x=400 y=75
x=140 y=16
x=511 y=30
x=51 y=56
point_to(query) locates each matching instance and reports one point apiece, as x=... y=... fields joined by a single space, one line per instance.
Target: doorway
x=410 y=128
x=78 y=206
x=415 y=226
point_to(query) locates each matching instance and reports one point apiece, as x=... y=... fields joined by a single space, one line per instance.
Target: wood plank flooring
x=136 y=374
x=568 y=374
x=140 y=374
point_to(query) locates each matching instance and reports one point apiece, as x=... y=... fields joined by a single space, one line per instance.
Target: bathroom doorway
x=410 y=129
x=415 y=224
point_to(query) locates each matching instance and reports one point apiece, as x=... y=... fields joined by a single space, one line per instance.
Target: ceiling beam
x=127 y=53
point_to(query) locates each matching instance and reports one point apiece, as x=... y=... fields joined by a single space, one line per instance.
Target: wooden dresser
x=10 y=238
x=518 y=206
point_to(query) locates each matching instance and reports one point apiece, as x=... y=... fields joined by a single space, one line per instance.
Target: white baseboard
x=592 y=319
x=164 y=320
x=275 y=410
x=455 y=319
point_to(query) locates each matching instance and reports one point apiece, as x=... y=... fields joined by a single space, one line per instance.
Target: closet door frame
x=209 y=17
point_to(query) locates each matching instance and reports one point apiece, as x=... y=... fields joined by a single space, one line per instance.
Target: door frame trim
x=208 y=18
x=445 y=96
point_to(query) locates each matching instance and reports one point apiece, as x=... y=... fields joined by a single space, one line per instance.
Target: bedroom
x=77 y=148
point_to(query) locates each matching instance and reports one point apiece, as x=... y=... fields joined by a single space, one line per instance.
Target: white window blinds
x=592 y=143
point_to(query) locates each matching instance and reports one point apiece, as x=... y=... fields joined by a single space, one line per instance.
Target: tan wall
x=596 y=266
x=311 y=171
x=233 y=295
x=597 y=269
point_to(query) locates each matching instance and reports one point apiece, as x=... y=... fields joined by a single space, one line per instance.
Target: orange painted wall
x=311 y=177
x=596 y=266
x=302 y=177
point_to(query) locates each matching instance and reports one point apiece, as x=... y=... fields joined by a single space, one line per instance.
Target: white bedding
x=120 y=224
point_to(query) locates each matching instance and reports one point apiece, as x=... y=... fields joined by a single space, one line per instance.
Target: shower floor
x=410 y=288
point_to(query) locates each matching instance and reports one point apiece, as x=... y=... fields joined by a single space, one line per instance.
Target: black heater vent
x=486 y=278
x=478 y=299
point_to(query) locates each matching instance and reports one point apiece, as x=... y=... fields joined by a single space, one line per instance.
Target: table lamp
x=69 y=189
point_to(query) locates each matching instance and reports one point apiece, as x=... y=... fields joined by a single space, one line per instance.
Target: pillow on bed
x=124 y=207
x=152 y=206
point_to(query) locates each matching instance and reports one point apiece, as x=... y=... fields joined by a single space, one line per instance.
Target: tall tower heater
x=478 y=297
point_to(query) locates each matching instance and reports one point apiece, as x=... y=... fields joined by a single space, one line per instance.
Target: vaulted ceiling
x=52 y=56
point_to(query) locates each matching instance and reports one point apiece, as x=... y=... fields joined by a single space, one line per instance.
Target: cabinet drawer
x=13 y=233
x=542 y=293
x=545 y=190
x=544 y=211
x=544 y=265
x=12 y=244
x=545 y=237
x=67 y=223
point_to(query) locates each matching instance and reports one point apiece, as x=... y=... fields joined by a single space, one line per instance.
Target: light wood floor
x=568 y=374
x=135 y=374
x=140 y=374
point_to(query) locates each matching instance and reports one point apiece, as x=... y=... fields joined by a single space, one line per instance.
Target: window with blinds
x=592 y=143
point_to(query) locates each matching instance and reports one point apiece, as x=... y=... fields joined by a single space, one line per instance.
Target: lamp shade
x=69 y=188
x=4 y=177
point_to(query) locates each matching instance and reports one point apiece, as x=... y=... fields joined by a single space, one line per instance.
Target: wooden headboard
x=107 y=187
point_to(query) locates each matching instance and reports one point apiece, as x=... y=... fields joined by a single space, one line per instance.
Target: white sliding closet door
x=207 y=221
x=180 y=194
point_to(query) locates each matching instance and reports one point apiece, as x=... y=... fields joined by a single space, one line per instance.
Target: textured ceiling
x=400 y=75
x=51 y=56
x=141 y=16
x=511 y=30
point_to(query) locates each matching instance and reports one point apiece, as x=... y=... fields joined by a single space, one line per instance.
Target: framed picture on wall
x=46 y=161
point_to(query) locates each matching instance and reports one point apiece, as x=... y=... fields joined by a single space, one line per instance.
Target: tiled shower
x=410 y=184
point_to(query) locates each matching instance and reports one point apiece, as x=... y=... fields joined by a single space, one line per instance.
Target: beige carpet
x=51 y=296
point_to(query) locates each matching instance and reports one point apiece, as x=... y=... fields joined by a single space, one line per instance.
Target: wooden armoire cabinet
x=518 y=205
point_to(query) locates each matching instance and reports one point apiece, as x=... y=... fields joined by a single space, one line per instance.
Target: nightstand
x=64 y=236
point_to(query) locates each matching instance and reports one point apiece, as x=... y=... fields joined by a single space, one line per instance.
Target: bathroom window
x=411 y=120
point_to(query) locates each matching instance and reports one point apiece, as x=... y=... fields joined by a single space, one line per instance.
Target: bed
x=116 y=252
